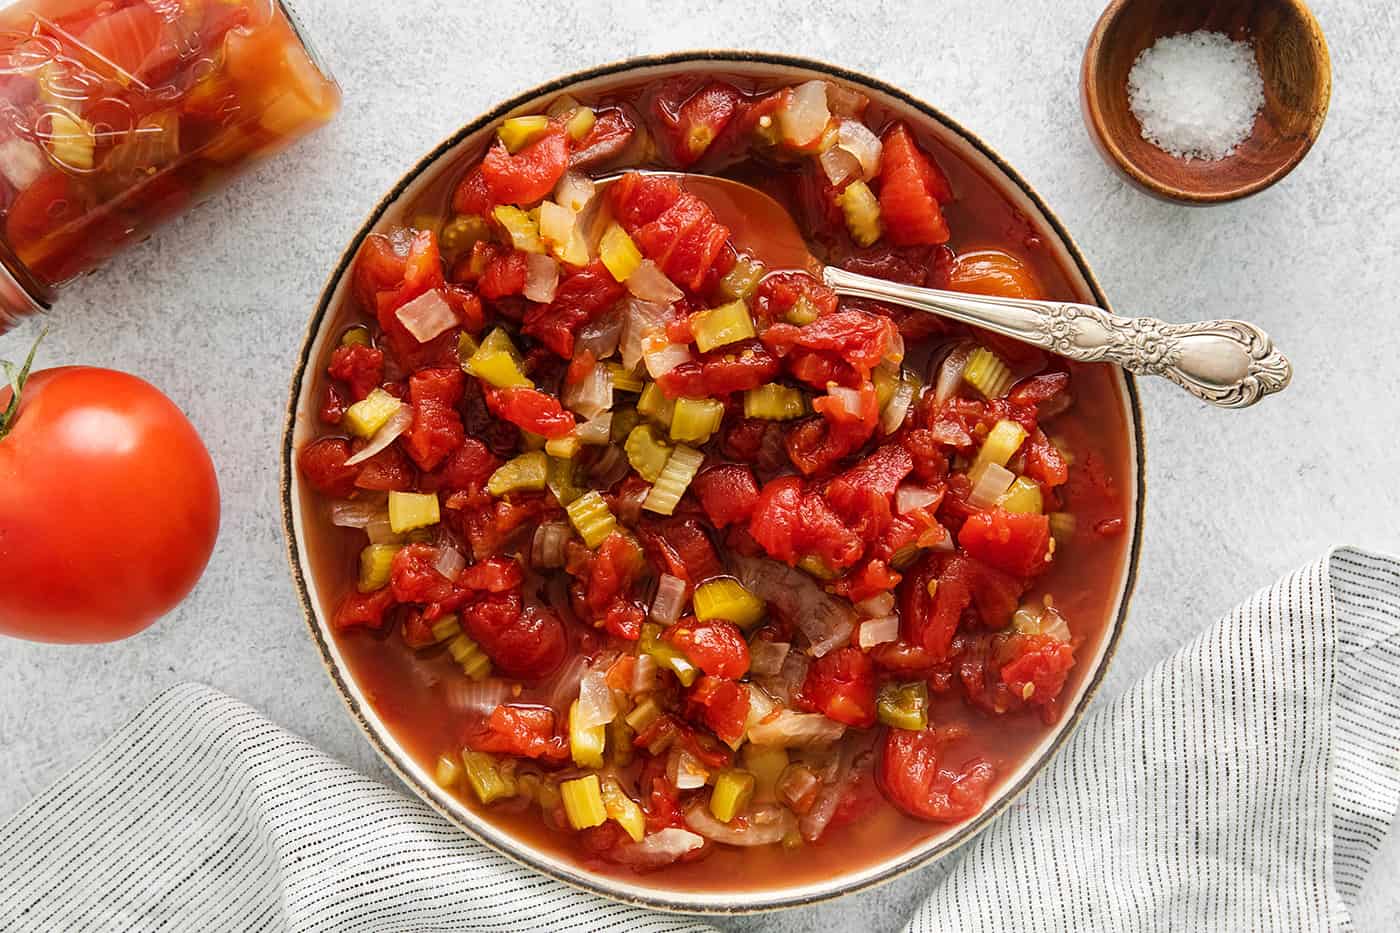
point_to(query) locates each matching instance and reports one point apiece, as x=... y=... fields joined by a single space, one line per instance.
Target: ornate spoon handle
x=1232 y=364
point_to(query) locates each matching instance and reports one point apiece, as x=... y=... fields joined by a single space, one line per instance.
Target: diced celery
x=647 y=453
x=817 y=567
x=773 y=402
x=904 y=706
x=741 y=281
x=565 y=448
x=519 y=132
x=448 y=772
x=367 y=416
x=619 y=253
x=624 y=420
x=666 y=655
x=727 y=599
x=561 y=480
x=526 y=473
x=624 y=379
x=674 y=480
x=802 y=313
x=620 y=737
x=766 y=764
x=410 y=510
x=733 y=791
x=1003 y=440
x=644 y=714
x=583 y=802
x=721 y=326
x=485 y=777
x=447 y=627
x=591 y=518
x=581 y=123
x=469 y=656
x=375 y=562
x=623 y=809
x=656 y=406
x=904 y=557
x=524 y=231
x=586 y=744
x=1023 y=496
x=862 y=212
x=696 y=419
x=357 y=336
x=886 y=380
x=461 y=233
x=987 y=373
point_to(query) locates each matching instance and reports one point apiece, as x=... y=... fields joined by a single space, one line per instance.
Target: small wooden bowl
x=1293 y=61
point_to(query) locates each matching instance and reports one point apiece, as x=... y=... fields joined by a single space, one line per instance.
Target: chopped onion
x=541 y=277
x=596 y=706
x=648 y=283
x=814 y=822
x=845 y=101
x=825 y=620
x=592 y=395
x=791 y=729
x=563 y=686
x=670 y=599
x=839 y=165
x=894 y=350
x=427 y=316
x=641 y=320
x=798 y=783
x=21 y=162
x=557 y=223
x=601 y=336
x=661 y=848
x=908 y=498
x=644 y=673
x=596 y=431
x=629 y=506
x=991 y=481
x=574 y=191
x=450 y=562
x=356 y=513
x=761 y=706
x=666 y=358
x=685 y=771
x=944 y=543
x=398 y=423
x=1054 y=625
x=856 y=138
x=806 y=114
x=849 y=399
x=475 y=697
x=610 y=467
x=766 y=657
x=790 y=677
x=879 y=631
x=381 y=531
x=950 y=373
x=762 y=826
x=548 y=547
x=897 y=408
x=876 y=606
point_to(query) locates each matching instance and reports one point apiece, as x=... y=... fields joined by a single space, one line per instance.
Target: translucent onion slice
x=763 y=825
x=640 y=321
x=651 y=285
x=806 y=114
x=988 y=484
x=908 y=498
x=21 y=162
x=592 y=395
x=427 y=316
x=574 y=191
x=849 y=399
x=791 y=729
x=610 y=467
x=356 y=514
x=876 y=606
x=950 y=373
x=814 y=822
x=660 y=848
x=897 y=409
x=685 y=771
x=662 y=360
x=596 y=431
x=475 y=697
x=670 y=599
x=400 y=422
x=450 y=562
x=766 y=657
x=547 y=549
x=878 y=631
x=856 y=138
x=541 y=277
x=601 y=336
x=557 y=223
x=839 y=165
x=644 y=674
x=562 y=688
x=825 y=620
x=596 y=706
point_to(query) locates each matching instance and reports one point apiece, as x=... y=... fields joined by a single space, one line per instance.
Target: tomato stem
x=17 y=377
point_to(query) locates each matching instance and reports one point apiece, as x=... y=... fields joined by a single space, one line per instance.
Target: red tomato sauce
x=974 y=583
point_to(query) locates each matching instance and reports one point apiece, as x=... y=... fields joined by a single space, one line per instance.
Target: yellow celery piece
x=624 y=420
x=646 y=452
x=367 y=416
x=727 y=599
x=766 y=763
x=469 y=656
x=583 y=802
x=656 y=406
x=485 y=778
x=565 y=448
x=357 y=336
x=862 y=212
x=375 y=561
x=449 y=626
x=667 y=656
x=620 y=737
x=674 y=480
x=774 y=402
x=645 y=713
x=586 y=744
x=462 y=232
x=1003 y=440
x=885 y=384
x=448 y=772
x=591 y=518
x=71 y=141
x=619 y=253
x=903 y=706
x=1062 y=527
x=581 y=123
x=498 y=362
x=721 y=326
x=466 y=348
x=696 y=419
x=410 y=510
x=741 y=281
x=560 y=479
x=624 y=379
x=519 y=132
x=525 y=473
x=523 y=229
x=1024 y=497
x=623 y=809
x=733 y=791
x=987 y=373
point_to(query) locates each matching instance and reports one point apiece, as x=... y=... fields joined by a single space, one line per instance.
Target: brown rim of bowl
x=660 y=900
x=1150 y=183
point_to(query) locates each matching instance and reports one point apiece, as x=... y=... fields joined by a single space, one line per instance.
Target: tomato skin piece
x=138 y=499
x=529 y=644
x=911 y=190
x=727 y=493
x=363 y=610
x=522 y=731
x=504 y=276
x=322 y=464
x=530 y=174
x=360 y=367
x=530 y=410
x=682 y=549
x=910 y=773
x=1015 y=543
x=841 y=686
x=715 y=646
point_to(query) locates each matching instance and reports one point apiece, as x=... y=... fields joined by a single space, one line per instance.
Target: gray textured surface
x=213 y=309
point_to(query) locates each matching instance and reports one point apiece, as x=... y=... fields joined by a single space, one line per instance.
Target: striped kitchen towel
x=1244 y=784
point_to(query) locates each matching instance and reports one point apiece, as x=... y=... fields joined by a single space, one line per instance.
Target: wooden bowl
x=1297 y=73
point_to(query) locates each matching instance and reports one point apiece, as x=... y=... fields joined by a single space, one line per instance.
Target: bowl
x=1293 y=61
x=317 y=573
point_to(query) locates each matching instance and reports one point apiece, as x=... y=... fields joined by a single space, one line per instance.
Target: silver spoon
x=1232 y=364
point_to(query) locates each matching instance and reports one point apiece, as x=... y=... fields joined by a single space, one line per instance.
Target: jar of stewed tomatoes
x=117 y=115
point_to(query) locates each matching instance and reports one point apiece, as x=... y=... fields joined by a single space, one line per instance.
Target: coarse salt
x=1196 y=95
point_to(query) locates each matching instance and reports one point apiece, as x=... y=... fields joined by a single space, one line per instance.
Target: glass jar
x=116 y=115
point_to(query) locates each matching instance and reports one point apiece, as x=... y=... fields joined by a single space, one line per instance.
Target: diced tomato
x=716 y=647
x=615 y=567
x=624 y=618
x=910 y=772
x=414 y=576
x=437 y=428
x=529 y=644
x=876 y=477
x=363 y=610
x=581 y=297
x=778 y=293
x=790 y=523
x=911 y=190
x=1038 y=669
x=1044 y=462
x=531 y=410
x=333 y=406
x=379 y=267
x=727 y=493
x=611 y=134
x=469 y=466
x=637 y=199
x=869 y=579
x=323 y=464
x=930 y=621
x=737 y=368
x=387 y=471
x=473 y=195
x=683 y=238
x=494 y=575
x=694 y=124
x=523 y=731
x=681 y=548
x=530 y=174
x=858 y=337
x=722 y=705
x=504 y=275
x=1015 y=542
x=361 y=367
x=841 y=686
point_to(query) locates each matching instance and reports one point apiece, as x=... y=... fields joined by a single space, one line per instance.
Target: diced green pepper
x=667 y=655
x=733 y=791
x=904 y=706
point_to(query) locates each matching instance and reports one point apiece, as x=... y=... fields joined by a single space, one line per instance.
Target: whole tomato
x=109 y=506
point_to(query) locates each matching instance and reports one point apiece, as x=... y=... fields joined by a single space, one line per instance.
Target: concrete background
x=213 y=311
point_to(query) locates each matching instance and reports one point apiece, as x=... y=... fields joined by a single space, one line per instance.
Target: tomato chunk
x=529 y=644
x=530 y=174
x=722 y=705
x=727 y=493
x=525 y=731
x=323 y=464
x=531 y=410
x=910 y=772
x=911 y=190
x=715 y=646
x=1014 y=542
x=841 y=686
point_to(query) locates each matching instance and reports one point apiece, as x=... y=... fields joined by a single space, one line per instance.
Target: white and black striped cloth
x=1245 y=784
